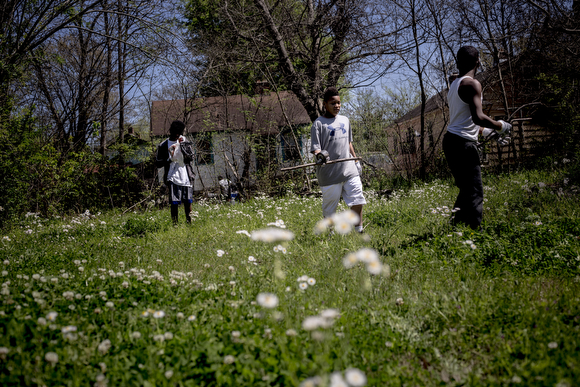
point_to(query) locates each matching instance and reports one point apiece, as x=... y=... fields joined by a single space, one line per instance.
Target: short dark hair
x=329 y=93
x=467 y=57
x=176 y=128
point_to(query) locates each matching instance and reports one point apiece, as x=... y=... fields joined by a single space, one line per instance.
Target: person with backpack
x=175 y=155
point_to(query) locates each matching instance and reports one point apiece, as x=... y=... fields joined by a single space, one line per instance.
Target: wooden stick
x=313 y=164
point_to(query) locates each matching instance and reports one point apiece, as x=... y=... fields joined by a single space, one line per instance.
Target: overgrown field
x=110 y=299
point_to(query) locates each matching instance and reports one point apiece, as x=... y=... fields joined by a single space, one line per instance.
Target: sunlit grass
x=114 y=299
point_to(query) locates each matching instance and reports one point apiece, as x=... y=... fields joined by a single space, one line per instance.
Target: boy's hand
x=490 y=134
x=358 y=167
x=322 y=157
x=506 y=128
x=486 y=132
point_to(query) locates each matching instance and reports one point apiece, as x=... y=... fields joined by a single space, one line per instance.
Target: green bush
x=38 y=177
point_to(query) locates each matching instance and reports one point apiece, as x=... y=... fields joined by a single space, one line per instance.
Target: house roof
x=434 y=103
x=261 y=114
x=438 y=101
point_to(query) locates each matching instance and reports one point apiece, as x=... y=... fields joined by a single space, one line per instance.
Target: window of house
x=289 y=149
x=203 y=149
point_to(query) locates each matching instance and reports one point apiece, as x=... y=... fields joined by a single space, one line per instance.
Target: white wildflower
x=330 y=313
x=267 y=300
x=51 y=357
x=343 y=228
x=51 y=316
x=243 y=232
x=367 y=255
x=311 y=323
x=311 y=382
x=350 y=260
x=348 y=216
x=355 y=377
x=322 y=225
x=291 y=333
x=375 y=267
x=104 y=346
x=336 y=380
x=272 y=235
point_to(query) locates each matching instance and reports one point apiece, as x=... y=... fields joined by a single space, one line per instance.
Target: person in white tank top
x=467 y=121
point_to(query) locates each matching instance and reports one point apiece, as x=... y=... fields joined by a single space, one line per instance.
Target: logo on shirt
x=333 y=130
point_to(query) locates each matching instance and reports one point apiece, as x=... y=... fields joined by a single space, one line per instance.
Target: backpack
x=188 y=151
x=162 y=163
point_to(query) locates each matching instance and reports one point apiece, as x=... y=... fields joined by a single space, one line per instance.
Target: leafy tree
x=304 y=46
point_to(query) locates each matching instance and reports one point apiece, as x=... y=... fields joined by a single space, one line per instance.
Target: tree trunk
x=108 y=75
x=121 y=72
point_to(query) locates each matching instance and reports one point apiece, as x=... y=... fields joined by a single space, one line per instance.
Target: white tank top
x=460 y=120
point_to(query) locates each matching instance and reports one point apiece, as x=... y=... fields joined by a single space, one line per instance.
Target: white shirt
x=177 y=172
x=460 y=120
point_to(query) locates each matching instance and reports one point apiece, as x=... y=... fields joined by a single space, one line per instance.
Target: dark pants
x=463 y=160
x=177 y=195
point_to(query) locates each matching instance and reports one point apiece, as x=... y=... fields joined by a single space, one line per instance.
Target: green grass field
x=110 y=299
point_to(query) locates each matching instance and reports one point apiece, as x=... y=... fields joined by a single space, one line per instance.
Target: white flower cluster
x=278 y=223
x=353 y=377
x=444 y=211
x=324 y=319
x=367 y=256
x=280 y=249
x=343 y=223
x=267 y=300
x=305 y=281
x=272 y=235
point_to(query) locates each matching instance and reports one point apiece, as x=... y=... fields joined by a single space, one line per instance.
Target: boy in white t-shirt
x=178 y=173
x=332 y=133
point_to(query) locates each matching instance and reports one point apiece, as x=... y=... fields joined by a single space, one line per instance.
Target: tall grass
x=140 y=302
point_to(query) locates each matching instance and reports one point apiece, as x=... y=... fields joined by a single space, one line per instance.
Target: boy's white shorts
x=350 y=190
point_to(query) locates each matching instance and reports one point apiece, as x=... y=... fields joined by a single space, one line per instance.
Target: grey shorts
x=179 y=194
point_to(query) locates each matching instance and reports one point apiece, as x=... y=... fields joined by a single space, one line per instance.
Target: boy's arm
x=351 y=149
x=470 y=93
x=314 y=139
